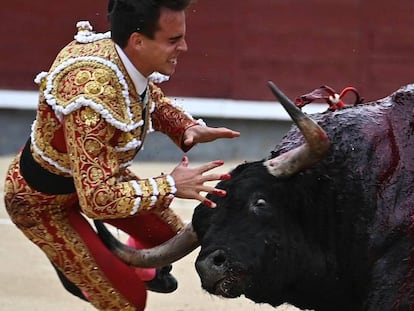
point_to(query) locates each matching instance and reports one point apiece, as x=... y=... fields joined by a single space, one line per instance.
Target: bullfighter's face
x=160 y=54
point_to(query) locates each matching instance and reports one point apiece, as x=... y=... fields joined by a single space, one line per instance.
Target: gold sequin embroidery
x=90 y=117
x=82 y=77
x=109 y=92
x=93 y=88
x=101 y=76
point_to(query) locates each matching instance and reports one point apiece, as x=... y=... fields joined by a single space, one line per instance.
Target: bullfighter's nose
x=212 y=268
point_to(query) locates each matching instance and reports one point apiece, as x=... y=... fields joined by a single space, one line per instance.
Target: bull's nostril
x=219 y=259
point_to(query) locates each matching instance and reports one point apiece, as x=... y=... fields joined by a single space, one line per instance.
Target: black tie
x=143 y=95
x=144 y=106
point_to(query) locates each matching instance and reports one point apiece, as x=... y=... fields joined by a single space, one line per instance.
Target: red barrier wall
x=236 y=46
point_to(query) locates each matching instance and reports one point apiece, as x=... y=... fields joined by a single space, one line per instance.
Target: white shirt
x=140 y=82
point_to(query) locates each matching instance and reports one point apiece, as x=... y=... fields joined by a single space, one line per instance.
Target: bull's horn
x=172 y=250
x=306 y=155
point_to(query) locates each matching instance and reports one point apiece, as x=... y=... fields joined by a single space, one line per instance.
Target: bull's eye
x=259 y=206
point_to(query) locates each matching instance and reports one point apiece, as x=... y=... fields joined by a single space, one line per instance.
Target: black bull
x=336 y=236
x=328 y=227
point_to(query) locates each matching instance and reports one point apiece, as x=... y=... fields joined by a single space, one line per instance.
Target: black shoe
x=163 y=281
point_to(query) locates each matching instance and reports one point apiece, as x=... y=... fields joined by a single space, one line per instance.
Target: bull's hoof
x=163 y=282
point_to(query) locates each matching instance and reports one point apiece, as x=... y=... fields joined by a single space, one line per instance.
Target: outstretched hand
x=203 y=134
x=189 y=182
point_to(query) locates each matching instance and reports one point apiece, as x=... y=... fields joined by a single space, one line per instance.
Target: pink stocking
x=145 y=274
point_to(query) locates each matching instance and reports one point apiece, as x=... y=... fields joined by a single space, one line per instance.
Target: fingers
x=210 y=165
x=207 y=202
x=222 y=132
x=225 y=176
x=204 y=134
x=227 y=133
x=214 y=191
x=202 y=168
x=217 y=177
x=190 y=182
x=219 y=192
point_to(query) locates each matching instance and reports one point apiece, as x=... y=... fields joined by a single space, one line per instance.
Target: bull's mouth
x=221 y=275
x=225 y=281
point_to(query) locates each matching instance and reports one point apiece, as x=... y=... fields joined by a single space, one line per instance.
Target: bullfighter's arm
x=102 y=190
x=169 y=119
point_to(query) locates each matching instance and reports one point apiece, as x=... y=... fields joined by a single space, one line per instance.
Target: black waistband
x=40 y=179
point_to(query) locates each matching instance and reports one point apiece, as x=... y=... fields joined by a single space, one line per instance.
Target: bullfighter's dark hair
x=129 y=16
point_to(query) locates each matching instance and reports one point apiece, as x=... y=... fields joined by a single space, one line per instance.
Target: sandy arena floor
x=28 y=282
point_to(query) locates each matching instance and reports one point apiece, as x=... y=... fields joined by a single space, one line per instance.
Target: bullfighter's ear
x=312 y=151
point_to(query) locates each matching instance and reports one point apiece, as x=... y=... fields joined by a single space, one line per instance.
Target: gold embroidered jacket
x=91 y=123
